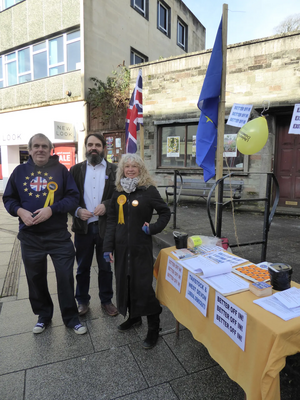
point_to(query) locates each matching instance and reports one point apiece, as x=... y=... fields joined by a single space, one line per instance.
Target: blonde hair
x=144 y=176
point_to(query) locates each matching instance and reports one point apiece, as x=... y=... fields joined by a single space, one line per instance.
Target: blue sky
x=247 y=19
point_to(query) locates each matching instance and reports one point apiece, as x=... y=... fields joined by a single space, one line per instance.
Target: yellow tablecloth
x=269 y=339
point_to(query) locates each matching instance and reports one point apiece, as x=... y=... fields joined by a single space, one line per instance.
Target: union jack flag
x=38 y=183
x=134 y=115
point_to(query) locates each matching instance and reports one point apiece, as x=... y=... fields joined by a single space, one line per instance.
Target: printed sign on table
x=231 y=319
x=174 y=273
x=239 y=115
x=197 y=293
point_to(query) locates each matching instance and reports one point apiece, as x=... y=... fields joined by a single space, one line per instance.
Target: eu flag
x=208 y=103
x=134 y=115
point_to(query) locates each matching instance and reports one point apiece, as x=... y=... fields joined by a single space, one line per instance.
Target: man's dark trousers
x=35 y=248
x=85 y=247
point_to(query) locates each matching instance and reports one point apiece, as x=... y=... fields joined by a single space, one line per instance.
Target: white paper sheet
x=289 y=298
x=214 y=263
x=227 y=284
x=274 y=306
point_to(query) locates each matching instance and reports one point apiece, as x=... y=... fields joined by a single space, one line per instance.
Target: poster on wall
x=295 y=123
x=194 y=146
x=239 y=115
x=109 y=142
x=173 y=146
x=230 y=148
x=66 y=154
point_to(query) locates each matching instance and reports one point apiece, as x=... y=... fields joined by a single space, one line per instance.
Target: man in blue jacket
x=41 y=193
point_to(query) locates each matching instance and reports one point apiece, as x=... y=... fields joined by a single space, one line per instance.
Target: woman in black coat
x=128 y=237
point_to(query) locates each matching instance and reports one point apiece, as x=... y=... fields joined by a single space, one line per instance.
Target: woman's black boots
x=153 y=331
x=130 y=323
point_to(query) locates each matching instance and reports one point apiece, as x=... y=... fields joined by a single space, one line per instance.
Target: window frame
x=134 y=52
x=2 y=74
x=3 y=7
x=142 y=11
x=184 y=45
x=165 y=30
x=32 y=52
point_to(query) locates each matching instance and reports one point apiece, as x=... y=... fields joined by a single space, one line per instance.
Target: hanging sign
x=63 y=130
x=295 y=123
x=239 y=115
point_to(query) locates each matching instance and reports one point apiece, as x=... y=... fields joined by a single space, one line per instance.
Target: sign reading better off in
x=63 y=130
x=231 y=319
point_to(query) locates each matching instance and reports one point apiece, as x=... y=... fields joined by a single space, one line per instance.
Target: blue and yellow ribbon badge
x=121 y=201
x=52 y=187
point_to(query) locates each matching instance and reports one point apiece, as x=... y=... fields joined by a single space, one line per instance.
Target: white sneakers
x=40 y=327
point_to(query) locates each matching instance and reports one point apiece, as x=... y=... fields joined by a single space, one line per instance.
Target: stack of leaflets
x=285 y=304
x=214 y=266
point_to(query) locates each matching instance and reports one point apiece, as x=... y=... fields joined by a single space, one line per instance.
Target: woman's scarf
x=129 y=184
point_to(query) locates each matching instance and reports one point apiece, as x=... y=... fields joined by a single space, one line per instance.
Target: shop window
x=164 y=18
x=177 y=147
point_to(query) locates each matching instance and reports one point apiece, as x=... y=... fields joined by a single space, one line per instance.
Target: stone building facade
x=259 y=72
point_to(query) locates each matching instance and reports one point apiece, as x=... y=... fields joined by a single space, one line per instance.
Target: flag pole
x=221 y=112
x=142 y=141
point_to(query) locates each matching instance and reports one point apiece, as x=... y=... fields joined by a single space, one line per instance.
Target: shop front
x=63 y=124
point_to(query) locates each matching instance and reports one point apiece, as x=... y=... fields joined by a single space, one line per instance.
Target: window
x=73 y=51
x=164 y=18
x=47 y=58
x=182 y=34
x=40 y=63
x=177 y=147
x=1 y=73
x=136 y=57
x=8 y=3
x=141 y=6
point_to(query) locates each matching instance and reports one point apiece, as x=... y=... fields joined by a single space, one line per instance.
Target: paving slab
x=192 y=355
x=104 y=375
x=27 y=350
x=167 y=366
x=12 y=386
x=160 y=392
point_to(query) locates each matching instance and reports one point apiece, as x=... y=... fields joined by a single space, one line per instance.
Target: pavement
x=107 y=364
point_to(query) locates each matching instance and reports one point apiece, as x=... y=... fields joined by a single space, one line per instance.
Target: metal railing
x=268 y=214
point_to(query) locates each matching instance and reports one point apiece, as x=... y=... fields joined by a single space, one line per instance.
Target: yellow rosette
x=121 y=201
x=52 y=187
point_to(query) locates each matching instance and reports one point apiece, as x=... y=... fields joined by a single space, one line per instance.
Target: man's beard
x=94 y=158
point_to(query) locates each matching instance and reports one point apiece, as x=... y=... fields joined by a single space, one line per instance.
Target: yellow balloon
x=252 y=137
